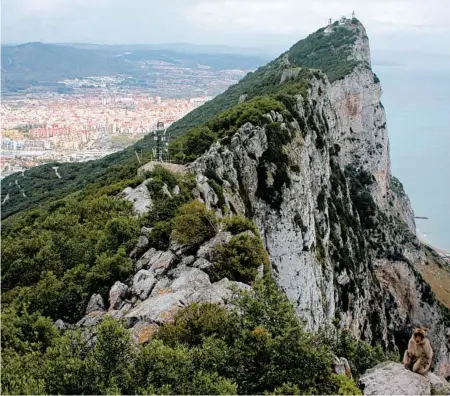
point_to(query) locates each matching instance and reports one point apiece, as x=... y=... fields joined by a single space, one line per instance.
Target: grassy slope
x=436 y=272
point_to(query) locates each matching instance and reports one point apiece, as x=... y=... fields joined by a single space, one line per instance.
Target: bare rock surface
x=140 y=197
x=391 y=378
x=95 y=304
x=117 y=295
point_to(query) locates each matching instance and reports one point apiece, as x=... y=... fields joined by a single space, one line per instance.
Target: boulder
x=391 y=378
x=143 y=283
x=439 y=386
x=191 y=279
x=144 y=261
x=140 y=197
x=91 y=319
x=205 y=192
x=161 y=287
x=188 y=260
x=120 y=313
x=61 y=325
x=95 y=304
x=141 y=246
x=176 y=190
x=158 y=309
x=117 y=295
x=160 y=263
x=202 y=263
x=219 y=293
x=221 y=238
x=144 y=331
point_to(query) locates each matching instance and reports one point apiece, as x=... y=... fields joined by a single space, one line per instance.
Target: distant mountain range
x=38 y=62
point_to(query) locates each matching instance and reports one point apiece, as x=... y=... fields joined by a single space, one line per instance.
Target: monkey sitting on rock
x=419 y=355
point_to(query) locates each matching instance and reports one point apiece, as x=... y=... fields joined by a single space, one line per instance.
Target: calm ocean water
x=417 y=104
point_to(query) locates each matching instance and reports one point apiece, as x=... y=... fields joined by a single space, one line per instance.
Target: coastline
x=443 y=253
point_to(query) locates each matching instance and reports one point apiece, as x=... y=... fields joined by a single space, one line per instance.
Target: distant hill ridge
x=52 y=62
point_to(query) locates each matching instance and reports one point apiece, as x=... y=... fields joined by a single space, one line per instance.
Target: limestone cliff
x=304 y=153
x=338 y=229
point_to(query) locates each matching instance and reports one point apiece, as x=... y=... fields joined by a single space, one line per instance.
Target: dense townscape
x=64 y=128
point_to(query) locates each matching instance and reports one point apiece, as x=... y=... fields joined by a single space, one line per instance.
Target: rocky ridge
x=164 y=282
x=339 y=230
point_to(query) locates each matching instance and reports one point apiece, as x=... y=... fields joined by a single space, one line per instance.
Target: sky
x=272 y=25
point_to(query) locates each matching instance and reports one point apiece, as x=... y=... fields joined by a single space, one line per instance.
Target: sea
x=417 y=104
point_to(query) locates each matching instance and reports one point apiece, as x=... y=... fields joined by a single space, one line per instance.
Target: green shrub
x=195 y=323
x=360 y=354
x=239 y=259
x=238 y=224
x=345 y=385
x=212 y=384
x=159 y=237
x=287 y=388
x=194 y=224
x=194 y=143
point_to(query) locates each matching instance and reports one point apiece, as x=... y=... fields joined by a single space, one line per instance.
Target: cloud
x=390 y=23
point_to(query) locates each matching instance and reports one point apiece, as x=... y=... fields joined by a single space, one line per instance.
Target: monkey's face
x=418 y=338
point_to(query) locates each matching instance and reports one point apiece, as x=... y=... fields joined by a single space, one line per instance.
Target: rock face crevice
x=341 y=238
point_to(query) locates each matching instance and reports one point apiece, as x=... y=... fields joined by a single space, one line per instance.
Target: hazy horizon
x=406 y=25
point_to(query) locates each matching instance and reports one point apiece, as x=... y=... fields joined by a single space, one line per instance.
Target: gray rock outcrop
x=140 y=197
x=391 y=378
x=143 y=283
x=117 y=295
x=162 y=284
x=95 y=304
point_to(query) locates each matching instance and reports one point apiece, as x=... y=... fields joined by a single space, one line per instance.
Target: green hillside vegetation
x=327 y=52
x=55 y=257
x=260 y=347
x=41 y=184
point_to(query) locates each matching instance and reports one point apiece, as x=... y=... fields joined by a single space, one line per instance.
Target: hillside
x=281 y=258
x=329 y=53
x=47 y=62
x=40 y=184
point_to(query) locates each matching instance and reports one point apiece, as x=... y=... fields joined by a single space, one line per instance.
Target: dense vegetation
x=327 y=52
x=260 y=347
x=55 y=257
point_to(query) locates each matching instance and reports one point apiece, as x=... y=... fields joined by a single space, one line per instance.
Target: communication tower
x=161 y=138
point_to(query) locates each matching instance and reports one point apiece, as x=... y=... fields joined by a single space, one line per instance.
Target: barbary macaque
x=419 y=355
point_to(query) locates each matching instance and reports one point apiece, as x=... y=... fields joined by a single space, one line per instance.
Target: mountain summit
x=296 y=153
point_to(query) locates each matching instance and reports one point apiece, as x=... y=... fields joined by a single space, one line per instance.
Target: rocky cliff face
x=341 y=238
x=312 y=170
